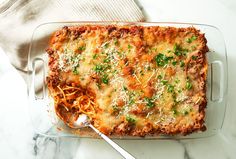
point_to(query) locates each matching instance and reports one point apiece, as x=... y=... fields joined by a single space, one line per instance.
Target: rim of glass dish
x=167 y=23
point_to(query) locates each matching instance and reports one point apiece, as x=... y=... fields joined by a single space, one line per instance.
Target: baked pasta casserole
x=130 y=80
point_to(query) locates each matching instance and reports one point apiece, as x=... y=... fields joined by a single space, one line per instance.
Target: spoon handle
x=124 y=153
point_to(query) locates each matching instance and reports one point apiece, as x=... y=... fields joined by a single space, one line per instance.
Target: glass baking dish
x=42 y=113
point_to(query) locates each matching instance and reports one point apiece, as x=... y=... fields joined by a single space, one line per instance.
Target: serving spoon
x=83 y=121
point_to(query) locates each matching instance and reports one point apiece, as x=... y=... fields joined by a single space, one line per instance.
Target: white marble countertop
x=18 y=140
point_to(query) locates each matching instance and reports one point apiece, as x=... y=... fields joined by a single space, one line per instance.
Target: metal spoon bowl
x=83 y=121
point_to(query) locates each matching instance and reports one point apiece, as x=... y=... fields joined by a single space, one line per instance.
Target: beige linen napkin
x=18 y=18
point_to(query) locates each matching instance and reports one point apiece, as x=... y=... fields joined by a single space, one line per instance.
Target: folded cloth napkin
x=18 y=18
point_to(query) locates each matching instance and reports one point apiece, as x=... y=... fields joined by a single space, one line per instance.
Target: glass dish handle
x=38 y=89
x=217 y=81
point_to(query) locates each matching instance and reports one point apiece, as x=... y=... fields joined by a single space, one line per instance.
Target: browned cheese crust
x=130 y=80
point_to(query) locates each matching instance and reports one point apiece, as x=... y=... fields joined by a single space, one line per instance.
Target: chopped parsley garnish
x=98 y=68
x=98 y=85
x=175 y=112
x=174 y=63
x=82 y=48
x=159 y=76
x=115 y=108
x=185 y=112
x=106 y=60
x=164 y=82
x=116 y=42
x=75 y=71
x=121 y=55
x=129 y=46
x=177 y=80
x=131 y=101
x=194 y=57
x=106 y=45
x=182 y=63
x=130 y=119
x=74 y=59
x=105 y=79
x=154 y=49
x=189 y=40
x=124 y=88
x=107 y=67
x=193 y=48
x=170 y=88
x=95 y=56
x=194 y=37
x=188 y=84
x=150 y=102
x=174 y=98
x=141 y=72
x=179 y=51
x=114 y=72
x=162 y=59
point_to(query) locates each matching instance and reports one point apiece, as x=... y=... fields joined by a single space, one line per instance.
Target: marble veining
x=186 y=153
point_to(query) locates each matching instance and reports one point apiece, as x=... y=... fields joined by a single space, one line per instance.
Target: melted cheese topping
x=141 y=77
